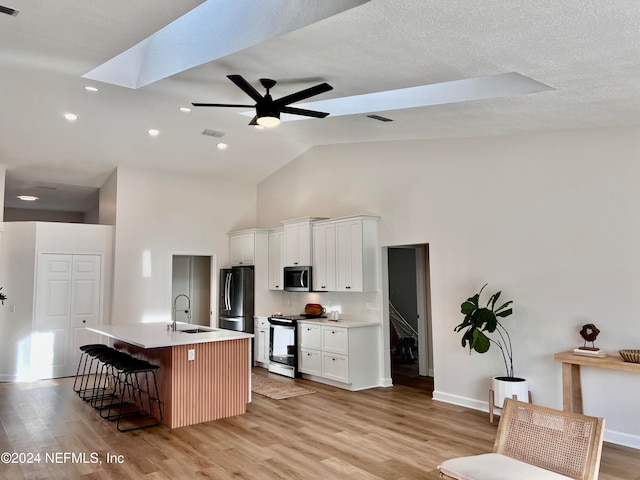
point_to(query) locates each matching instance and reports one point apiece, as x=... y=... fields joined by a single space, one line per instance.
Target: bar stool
x=137 y=398
x=86 y=363
x=106 y=381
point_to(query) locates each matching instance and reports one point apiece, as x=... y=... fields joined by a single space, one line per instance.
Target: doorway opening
x=191 y=289
x=410 y=339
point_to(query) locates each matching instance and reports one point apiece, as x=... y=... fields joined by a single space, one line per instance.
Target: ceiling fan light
x=268 y=121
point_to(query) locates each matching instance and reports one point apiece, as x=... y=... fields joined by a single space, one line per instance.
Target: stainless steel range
x=283 y=343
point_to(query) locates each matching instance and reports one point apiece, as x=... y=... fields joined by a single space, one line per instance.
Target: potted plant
x=478 y=325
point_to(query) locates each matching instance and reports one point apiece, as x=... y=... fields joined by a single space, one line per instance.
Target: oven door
x=283 y=347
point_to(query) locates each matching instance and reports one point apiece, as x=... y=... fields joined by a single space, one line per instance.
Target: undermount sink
x=196 y=330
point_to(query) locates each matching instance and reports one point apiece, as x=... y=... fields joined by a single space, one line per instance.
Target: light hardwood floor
x=385 y=433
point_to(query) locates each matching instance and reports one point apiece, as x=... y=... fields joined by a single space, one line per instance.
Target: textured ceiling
x=587 y=51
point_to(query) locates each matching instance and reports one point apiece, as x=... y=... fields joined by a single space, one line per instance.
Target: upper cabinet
x=324 y=257
x=242 y=246
x=276 y=259
x=356 y=254
x=297 y=241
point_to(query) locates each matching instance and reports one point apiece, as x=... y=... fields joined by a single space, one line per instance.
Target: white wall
x=2 y=175
x=549 y=219
x=108 y=200
x=160 y=214
x=22 y=242
x=17 y=276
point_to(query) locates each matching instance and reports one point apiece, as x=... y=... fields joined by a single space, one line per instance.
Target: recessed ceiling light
x=72 y=117
x=28 y=198
x=153 y=132
x=185 y=109
x=90 y=89
x=222 y=146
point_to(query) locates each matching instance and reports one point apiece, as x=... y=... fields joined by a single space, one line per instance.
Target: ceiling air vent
x=8 y=11
x=212 y=133
x=378 y=117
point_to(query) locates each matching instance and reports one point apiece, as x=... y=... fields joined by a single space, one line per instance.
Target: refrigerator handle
x=227 y=300
x=224 y=289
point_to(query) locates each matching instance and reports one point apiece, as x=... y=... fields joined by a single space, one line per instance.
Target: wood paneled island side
x=215 y=384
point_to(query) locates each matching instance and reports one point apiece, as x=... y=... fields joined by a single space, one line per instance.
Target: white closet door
x=67 y=300
x=85 y=304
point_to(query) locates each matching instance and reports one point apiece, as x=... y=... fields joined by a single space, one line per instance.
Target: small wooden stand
x=491 y=406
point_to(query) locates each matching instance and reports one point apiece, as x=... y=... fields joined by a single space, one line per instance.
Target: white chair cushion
x=494 y=466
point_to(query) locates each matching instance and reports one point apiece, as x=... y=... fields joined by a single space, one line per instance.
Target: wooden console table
x=571 y=385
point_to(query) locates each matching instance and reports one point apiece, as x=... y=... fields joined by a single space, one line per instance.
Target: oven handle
x=282 y=323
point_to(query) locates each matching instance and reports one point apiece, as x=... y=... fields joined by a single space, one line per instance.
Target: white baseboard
x=386 y=382
x=8 y=378
x=611 y=436
x=461 y=401
x=621 y=438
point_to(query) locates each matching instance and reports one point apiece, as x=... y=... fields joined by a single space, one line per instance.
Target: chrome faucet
x=174 y=327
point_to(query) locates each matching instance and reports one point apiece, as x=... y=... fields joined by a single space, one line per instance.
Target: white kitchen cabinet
x=343 y=356
x=310 y=335
x=310 y=361
x=297 y=241
x=335 y=340
x=276 y=259
x=335 y=367
x=357 y=254
x=324 y=257
x=261 y=342
x=242 y=246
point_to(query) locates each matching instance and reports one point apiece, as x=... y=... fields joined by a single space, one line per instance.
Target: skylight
x=478 y=88
x=214 y=29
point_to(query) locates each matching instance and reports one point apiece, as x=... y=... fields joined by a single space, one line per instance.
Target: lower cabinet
x=310 y=361
x=261 y=342
x=343 y=356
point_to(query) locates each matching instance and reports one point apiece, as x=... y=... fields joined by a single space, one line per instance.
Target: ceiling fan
x=268 y=110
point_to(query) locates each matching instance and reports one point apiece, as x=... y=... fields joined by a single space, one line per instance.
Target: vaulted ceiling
x=586 y=51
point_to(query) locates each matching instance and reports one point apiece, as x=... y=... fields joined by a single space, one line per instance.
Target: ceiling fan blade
x=303 y=111
x=221 y=105
x=254 y=121
x=302 y=94
x=245 y=87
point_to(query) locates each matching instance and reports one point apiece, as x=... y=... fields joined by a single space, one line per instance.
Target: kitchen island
x=204 y=374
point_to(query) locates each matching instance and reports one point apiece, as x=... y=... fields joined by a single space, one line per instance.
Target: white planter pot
x=507 y=387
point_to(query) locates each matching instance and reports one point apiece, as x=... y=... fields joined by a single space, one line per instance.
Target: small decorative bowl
x=632 y=356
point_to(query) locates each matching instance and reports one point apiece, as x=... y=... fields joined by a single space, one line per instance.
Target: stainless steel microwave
x=297 y=279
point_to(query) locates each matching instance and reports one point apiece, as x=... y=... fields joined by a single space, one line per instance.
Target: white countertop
x=155 y=335
x=340 y=323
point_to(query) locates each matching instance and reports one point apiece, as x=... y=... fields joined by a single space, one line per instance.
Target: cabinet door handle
x=84 y=321
x=347 y=287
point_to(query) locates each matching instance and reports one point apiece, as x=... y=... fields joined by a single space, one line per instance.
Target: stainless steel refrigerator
x=236 y=299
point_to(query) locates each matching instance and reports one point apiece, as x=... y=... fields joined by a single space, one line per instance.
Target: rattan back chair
x=566 y=443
